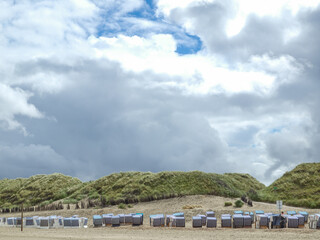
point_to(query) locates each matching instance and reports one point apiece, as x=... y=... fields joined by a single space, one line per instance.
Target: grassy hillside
x=36 y=189
x=125 y=187
x=299 y=187
x=145 y=186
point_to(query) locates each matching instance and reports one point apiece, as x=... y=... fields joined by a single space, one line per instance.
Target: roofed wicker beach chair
x=157 y=220
x=210 y=214
x=226 y=221
x=73 y=222
x=115 y=221
x=293 y=222
x=300 y=220
x=305 y=214
x=211 y=222
x=237 y=221
x=97 y=221
x=196 y=222
x=106 y=219
x=262 y=221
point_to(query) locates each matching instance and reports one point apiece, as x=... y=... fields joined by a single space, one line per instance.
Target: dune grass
x=299 y=187
x=124 y=187
x=36 y=190
x=130 y=187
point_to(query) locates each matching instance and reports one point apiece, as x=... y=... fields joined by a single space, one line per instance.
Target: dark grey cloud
x=104 y=124
x=26 y=160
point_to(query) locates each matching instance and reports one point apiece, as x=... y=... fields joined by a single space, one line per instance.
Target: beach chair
x=238 y=221
x=29 y=222
x=115 y=221
x=247 y=221
x=276 y=221
x=97 y=221
x=261 y=221
x=141 y=214
x=106 y=219
x=128 y=219
x=211 y=222
x=45 y=222
x=301 y=220
x=73 y=222
x=305 y=214
x=210 y=214
x=226 y=221
x=157 y=220
x=178 y=222
x=11 y=222
x=136 y=220
x=203 y=219
x=293 y=222
x=197 y=222
x=312 y=222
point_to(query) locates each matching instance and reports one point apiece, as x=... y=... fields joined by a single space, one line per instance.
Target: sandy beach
x=168 y=206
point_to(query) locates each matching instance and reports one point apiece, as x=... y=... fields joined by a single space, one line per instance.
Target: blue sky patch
x=191 y=47
x=186 y=43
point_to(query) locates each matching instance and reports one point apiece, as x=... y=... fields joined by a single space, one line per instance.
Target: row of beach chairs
x=209 y=220
x=104 y=220
x=171 y=220
x=45 y=222
x=240 y=219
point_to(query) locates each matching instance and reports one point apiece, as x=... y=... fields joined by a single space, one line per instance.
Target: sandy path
x=156 y=233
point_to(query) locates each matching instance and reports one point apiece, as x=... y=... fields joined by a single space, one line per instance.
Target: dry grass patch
x=191 y=206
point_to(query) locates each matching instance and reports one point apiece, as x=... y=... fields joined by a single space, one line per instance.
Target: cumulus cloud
x=93 y=87
x=199 y=73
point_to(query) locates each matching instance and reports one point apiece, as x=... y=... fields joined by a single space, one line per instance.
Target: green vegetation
x=130 y=187
x=122 y=206
x=36 y=190
x=299 y=187
x=227 y=204
x=238 y=204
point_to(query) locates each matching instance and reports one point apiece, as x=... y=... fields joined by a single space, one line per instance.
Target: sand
x=167 y=206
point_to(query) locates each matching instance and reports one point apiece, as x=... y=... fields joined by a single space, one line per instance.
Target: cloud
x=27 y=160
x=200 y=73
x=14 y=101
x=96 y=87
x=109 y=124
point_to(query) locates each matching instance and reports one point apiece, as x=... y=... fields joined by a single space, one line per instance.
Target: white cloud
x=166 y=6
x=199 y=73
x=273 y=8
x=240 y=10
x=14 y=101
x=119 y=7
x=38 y=30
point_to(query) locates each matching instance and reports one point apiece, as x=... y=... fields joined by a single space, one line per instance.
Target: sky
x=93 y=87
